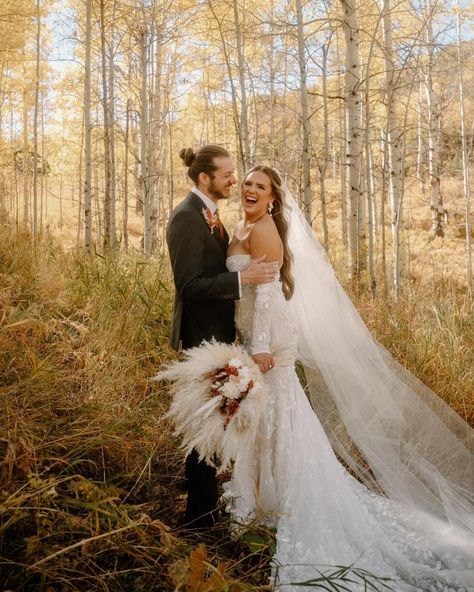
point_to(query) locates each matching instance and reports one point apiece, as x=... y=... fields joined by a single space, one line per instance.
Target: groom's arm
x=186 y=247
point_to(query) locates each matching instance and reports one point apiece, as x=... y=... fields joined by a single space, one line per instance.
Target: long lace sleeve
x=261 y=320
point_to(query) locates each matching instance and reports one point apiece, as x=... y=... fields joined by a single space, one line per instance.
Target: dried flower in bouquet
x=218 y=395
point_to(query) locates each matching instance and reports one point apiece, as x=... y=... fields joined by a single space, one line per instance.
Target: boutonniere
x=210 y=219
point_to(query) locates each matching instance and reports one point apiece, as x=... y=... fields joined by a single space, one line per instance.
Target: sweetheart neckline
x=239 y=255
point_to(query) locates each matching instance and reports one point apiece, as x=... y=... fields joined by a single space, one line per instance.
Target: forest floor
x=90 y=475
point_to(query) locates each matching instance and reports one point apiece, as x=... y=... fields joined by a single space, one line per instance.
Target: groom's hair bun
x=202 y=161
x=187 y=156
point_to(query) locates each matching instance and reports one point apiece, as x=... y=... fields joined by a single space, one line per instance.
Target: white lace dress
x=290 y=478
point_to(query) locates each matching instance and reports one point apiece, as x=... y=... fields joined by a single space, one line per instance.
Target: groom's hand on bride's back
x=260 y=271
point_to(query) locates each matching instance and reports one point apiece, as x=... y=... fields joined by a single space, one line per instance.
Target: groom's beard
x=219 y=193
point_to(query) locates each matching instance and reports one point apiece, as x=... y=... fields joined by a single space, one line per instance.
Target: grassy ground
x=90 y=476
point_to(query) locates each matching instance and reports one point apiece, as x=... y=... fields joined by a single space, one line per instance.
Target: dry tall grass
x=430 y=331
x=90 y=477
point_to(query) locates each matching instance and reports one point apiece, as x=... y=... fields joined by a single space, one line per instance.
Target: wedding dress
x=290 y=477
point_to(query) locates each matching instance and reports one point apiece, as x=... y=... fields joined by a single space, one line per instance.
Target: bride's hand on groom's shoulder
x=265 y=361
x=260 y=271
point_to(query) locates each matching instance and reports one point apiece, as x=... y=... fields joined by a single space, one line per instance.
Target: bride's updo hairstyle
x=202 y=161
x=288 y=283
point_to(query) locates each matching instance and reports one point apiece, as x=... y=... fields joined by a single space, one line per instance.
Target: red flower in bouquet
x=232 y=383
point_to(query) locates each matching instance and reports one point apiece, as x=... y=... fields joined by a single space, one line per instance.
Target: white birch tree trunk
x=35 y=121
x=434 y=119
x=394 y=134
x=383 y=201
x=354 y=139
x=125 y=177
x=135 y=148
x=342 y=119
x=108 y=240
x=420 y=143
x=87 y=133
x=171 y=172
x=370 y=208
x=44 y=174
x=465 y=159
x=26 y=162
x=156 y=145
x=244 y=123
x=235 y=111
x=305 y=122
x=96 y=183
x=144 y=123
x=369 y=177
x=284 y=135
x=271 y=68
x=323 y=166
x=61 y=195
x=80 y=185
x=111 y=111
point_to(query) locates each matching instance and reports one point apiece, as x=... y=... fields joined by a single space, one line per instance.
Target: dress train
x=290 y=477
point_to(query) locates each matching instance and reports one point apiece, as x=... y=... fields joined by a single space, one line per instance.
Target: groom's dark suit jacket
x=205 y=290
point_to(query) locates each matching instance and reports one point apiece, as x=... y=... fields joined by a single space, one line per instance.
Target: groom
x=205 y=290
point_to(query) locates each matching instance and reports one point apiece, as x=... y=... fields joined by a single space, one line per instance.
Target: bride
x=397 y=501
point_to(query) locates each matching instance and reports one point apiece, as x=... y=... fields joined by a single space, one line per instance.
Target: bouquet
x=218 y=395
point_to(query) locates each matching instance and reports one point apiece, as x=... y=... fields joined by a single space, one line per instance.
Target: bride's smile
x=256 y=195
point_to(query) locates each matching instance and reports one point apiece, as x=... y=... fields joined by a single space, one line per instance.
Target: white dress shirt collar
x=207 y=200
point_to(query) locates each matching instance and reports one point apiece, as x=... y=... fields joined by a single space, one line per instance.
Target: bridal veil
x=390 y=430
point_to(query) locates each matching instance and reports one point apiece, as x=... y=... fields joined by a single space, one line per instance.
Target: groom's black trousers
x=202 y=492
x=201 y=480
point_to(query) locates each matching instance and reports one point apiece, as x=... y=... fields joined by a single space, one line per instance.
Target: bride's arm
x=263 y=239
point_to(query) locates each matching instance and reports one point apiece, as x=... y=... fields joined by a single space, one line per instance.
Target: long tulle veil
x=390 y=429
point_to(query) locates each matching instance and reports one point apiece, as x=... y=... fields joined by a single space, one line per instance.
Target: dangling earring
x=270 y=208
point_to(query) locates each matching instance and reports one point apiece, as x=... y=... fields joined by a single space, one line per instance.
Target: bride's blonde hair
x=288 y=284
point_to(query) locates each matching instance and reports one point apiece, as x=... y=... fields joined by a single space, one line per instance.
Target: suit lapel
x=197 y=202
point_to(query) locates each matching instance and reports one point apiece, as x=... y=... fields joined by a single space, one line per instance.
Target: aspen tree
x=125 y=177
x=244 y=123
x=239 y=132
x=87 y=131
x=324 y=161
x=80 y=184
x=393 y=138
x=420 y=140
x=342 y=120
x=369 y=177
x=465 y=157
x=156 y=128
x=144 y=123
x=271 y=67
x=111 y=125
x=305 y=121
x=26 y=162
x=383 y=201
x=108 y=164
x=35 y=120
x=354 y=140
x=44 y=174
x=434 y=123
